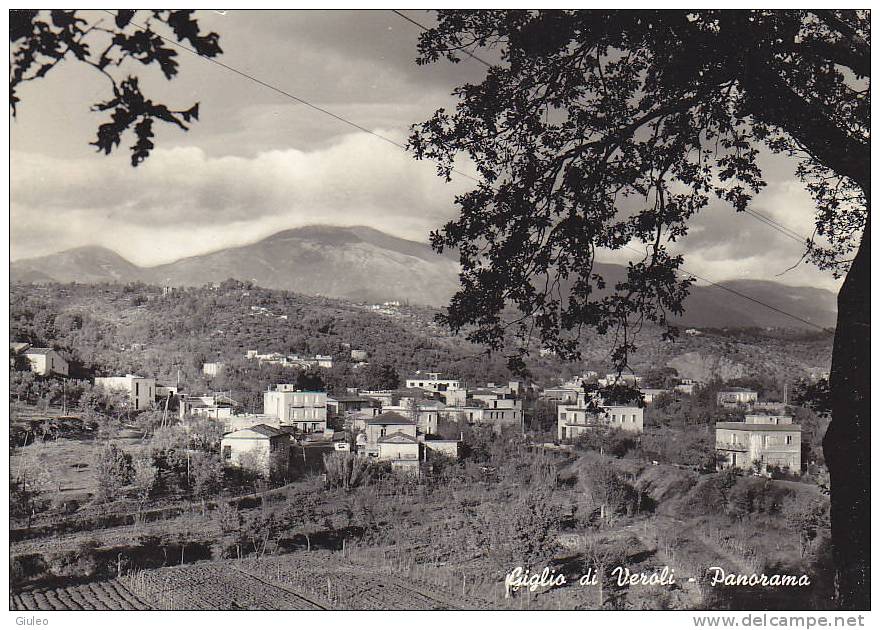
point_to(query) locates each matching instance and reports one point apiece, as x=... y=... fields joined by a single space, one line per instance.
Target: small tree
x=145 y=476
x=302 y=513
x=528 y=528
x=113 y=470
x=206 y=473
x=346 y=470
x=602 y=556
x=807 y=517
x=28 y=480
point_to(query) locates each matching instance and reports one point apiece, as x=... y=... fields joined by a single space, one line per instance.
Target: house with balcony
x=391 y=437
x=303 y=411
x=573 y=421
x=757 y=444
x=432 y=381
x=218 y=406
x=736 y=396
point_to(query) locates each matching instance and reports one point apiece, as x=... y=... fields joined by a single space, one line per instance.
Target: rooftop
x=397 y=436
x=264 y=429
x=743 y=426
x=346 y=397
x=390 y=417
x=38 y=350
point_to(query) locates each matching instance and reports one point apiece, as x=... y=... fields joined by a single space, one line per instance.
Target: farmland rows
x=108 y=595
x=349 y=586
x=312 y=581
x=213 y=586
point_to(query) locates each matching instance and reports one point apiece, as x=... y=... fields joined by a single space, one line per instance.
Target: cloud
x=723 y=244
x=203 y=203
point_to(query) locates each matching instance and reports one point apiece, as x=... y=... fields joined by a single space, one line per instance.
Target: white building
x=735 y=396
x=425 y=413
x=260 y=448
x=218 y=406
x=140 y=389
x=304 y=410
x=650 y=393
x=432 y=381
x=774 y=442
x=768 y=418
x=572 y=421
x=45 y=361
x=213 y=369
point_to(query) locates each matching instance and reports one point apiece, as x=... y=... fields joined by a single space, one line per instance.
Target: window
x=227 y=452
x=788 y=439
x=634 y=417
x=562 y=416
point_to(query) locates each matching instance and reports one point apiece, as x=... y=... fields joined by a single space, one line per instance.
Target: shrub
x=81 y=561
x=26 y=567
x=347 y=470
x=114 y=471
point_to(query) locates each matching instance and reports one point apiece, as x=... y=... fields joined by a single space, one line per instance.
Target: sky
x=257 y=162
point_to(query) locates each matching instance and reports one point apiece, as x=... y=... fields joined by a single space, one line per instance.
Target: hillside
x=117 y=328
x=363 y=264
x=86 y=265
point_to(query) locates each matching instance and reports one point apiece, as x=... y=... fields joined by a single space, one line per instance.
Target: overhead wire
x=401 y=146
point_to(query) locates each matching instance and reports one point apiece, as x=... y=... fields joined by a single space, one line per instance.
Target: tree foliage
x=601 y=129
x=41 y=40
x=347 y=470
x=113 y=470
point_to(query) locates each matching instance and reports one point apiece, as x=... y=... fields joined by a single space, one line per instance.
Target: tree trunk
x=847 y=443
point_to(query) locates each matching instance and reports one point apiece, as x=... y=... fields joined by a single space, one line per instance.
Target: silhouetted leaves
x=600 y=130
x=40 y=41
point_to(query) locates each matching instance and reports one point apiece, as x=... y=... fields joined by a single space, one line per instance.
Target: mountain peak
x=362 y=263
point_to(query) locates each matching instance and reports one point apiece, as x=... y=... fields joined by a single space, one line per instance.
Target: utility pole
x=165 y=413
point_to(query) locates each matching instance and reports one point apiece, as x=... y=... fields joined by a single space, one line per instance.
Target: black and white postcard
x=432 y=310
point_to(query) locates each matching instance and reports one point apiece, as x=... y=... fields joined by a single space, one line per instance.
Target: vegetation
x=42 y=40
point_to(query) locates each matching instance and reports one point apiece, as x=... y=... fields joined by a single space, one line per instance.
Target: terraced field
x=313 y=581
x=108 y=595
x=350 y=586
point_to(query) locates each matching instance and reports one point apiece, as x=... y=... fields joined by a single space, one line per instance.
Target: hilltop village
x=365 y=442
x=401 y=426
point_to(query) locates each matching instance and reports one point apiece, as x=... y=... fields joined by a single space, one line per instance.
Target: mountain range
x=366 y=265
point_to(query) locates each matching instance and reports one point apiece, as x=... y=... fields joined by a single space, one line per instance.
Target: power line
x=782 y=229
x=425 y=28
x=779 y=227
x=742 y=295
x=401 y=146
x=293 y=97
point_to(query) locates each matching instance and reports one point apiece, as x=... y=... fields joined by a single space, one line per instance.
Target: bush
x=347 y=470
x=26 y=567
x=80 y=562
x=114 y=471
